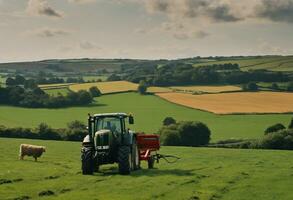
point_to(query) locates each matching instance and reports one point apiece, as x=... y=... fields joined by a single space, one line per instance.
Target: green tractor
x=109 y=141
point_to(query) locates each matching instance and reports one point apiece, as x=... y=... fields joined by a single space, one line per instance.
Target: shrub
x=185 y=134
x=193 y=133
x=168 y=121
x=279 y=140
x=274 y=128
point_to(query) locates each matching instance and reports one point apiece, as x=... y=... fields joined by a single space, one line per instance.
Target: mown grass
x=149 y=112
x=201 y=173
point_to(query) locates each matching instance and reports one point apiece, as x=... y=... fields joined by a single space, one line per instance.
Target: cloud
x=86 y=45
x=41 y=7
x=223 y=10
x=276 y=10
x=48 y=32
x=214 y=10
x=81 y=1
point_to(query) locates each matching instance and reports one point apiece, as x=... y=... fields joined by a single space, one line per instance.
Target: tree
x=84 y=97
x=274 y=128
x=113 y=77
x=291 y=124
x=275 y=86
x=142 y=87
x=10 y=82
x=290 y=87
x=168 y=121
x=47 y=133
x=95 y=92
x=251 y=86
x=19 y=80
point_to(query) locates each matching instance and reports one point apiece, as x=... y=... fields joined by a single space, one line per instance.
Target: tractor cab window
x=110 y=123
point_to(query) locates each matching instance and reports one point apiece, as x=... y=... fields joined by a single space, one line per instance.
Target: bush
x=279 y=140
x=185 y=134
x=193 y=133
x=95 y=92
x=168 y=121
x=274 y=128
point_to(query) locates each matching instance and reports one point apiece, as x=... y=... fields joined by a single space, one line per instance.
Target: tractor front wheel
x=124 y=160
x=87 y=160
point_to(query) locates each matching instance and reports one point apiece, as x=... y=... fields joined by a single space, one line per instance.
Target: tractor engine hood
x=103 y=139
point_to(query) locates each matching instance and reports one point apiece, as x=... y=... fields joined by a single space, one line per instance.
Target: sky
x=145 y=29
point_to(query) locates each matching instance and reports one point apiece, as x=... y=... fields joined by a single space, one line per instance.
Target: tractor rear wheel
x=135 y=156
x=124 y=160
x=87 y=160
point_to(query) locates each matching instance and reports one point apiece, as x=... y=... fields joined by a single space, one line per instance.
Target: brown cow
x=31 y=150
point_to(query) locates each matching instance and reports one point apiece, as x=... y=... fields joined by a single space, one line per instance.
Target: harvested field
x=239 y=102
x=208 y=89
x=107 y=87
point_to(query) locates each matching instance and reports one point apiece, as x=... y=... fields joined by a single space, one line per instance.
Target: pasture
x=106 y=87
x=238 y=102
x=207 y=89
x=201 y=173
x=149 y=112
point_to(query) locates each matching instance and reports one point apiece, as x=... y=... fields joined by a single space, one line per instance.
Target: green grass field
x=149 y=112
x=54 y=92
x=201 y=173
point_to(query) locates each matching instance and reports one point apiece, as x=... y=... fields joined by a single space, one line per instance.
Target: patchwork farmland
x=231 y=103
x=106 y=87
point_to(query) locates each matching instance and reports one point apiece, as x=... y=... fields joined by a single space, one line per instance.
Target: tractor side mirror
x=130 y=120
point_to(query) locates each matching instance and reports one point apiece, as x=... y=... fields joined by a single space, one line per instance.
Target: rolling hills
x=149 y=112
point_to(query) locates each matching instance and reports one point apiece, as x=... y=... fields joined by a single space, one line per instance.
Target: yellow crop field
x=107 y=87
x=208 y=89
x=238 y=102
x=158 y=89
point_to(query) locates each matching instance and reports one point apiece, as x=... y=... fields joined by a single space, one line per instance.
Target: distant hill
x=273 y=63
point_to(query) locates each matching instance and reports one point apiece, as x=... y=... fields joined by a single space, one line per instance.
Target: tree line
x=75 y=131
x=177 y=73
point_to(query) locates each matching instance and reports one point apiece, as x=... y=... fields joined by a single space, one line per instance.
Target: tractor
x=109 y=141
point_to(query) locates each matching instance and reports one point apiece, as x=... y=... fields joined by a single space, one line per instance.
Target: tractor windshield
x=111 y=123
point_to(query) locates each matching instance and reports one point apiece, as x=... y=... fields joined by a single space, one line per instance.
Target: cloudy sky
x=43 y=29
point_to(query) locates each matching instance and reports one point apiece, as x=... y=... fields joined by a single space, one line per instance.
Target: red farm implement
x=149 y=146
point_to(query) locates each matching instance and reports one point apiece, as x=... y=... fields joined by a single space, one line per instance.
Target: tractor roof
x=111 y=115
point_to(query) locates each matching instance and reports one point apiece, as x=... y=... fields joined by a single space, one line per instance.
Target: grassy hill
x=74 y=65
x=274 y=63
x=149 y=112
x=201 y=173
